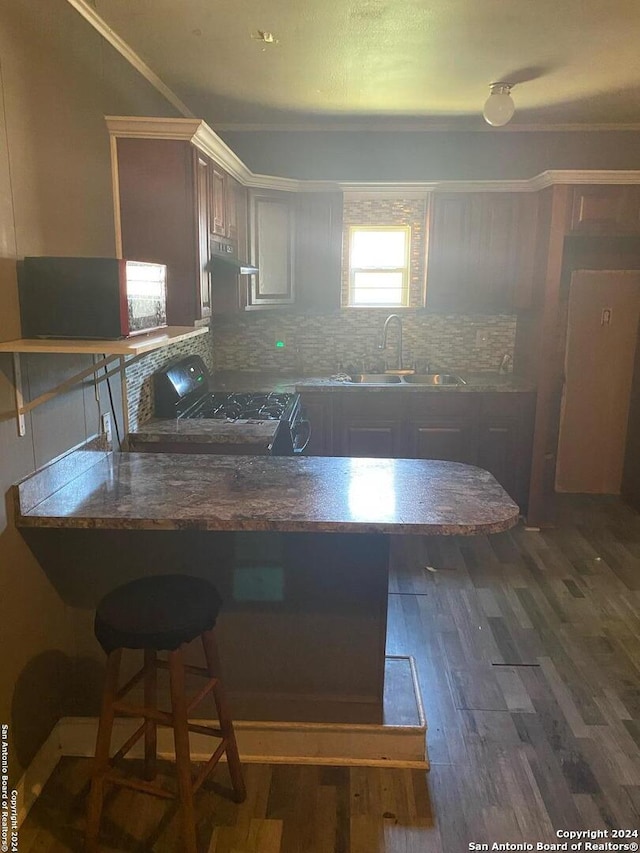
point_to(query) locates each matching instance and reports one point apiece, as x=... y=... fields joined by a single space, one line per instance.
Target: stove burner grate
x=243 y=406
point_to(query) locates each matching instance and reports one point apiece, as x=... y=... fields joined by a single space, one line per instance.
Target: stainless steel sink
x=433 y=379
x=376 y=379
x=411 y=379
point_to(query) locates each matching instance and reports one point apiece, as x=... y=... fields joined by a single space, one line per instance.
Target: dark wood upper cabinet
x=481 y=251
x=203 y=177
x=272 y=248
x=232 y=191
x=164 y=217
x=605 y=210
x=296 y=243
x=318 y=268
x=218 y=201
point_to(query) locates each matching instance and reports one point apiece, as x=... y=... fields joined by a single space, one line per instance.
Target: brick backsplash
x=318 y=344
x=139 y=382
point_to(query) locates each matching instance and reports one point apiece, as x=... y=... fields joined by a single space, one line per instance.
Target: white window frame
x=404 y=270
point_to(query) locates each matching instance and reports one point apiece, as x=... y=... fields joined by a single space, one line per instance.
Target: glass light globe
x=499 y=106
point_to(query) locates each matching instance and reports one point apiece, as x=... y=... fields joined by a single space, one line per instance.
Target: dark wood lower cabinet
x=451 y=442
x=318 y=410
x=368 y=424
x=490 y=429
x=380 y=439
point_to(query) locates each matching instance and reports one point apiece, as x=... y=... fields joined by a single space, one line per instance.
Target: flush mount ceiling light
x=499 y=106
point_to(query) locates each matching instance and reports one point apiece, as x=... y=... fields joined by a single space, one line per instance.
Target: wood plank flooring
x=528 y=652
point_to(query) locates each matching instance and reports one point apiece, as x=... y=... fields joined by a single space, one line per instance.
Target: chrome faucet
x=385 y=328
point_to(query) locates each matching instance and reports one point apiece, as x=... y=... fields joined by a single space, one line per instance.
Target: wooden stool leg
x=183 y=755
x=150 y=701
x=224 y=716
x=103 y=745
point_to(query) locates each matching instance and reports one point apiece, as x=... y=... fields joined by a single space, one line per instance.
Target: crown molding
x=125 y=50
x=198 y=133
x=534 y=184
x=389 y=126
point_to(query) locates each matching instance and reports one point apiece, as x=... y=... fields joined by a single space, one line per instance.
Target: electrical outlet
x=106 y=425
x=481 y=338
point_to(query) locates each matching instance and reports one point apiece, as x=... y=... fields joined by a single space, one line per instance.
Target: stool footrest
x=126 y=746
x=135 y=679
x=142 y=711
x=195 y=701
x=192 y=670
x=205 y=730
x=211 y=763
x=138 y=785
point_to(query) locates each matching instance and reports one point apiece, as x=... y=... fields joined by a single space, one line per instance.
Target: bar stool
x=160 y=613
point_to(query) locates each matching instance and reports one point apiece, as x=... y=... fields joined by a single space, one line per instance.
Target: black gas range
x=183 y=391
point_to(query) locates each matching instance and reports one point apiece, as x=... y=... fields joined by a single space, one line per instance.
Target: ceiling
x=389 y=63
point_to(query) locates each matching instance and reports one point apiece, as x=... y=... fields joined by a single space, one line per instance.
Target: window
x=379 y=265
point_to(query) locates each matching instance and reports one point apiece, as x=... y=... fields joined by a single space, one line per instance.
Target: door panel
x=604 y=308
x=447 y=442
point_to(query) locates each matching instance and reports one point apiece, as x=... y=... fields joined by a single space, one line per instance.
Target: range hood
x=223 y=255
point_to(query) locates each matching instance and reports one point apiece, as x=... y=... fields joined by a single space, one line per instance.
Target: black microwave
x=102 y=298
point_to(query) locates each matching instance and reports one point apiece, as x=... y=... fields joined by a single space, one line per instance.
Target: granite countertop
x=255 y=380
x=207 y=431
x=288 y=494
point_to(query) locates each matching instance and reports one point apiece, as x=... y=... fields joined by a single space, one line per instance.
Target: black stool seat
x=160 y=612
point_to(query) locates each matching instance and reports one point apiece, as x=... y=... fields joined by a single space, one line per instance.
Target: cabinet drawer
x=373 y=403
x=442 y=404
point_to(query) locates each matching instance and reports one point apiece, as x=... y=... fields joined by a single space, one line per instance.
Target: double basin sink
x=407 y=379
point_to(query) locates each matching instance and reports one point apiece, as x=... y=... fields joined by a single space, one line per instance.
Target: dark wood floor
x=528 y=651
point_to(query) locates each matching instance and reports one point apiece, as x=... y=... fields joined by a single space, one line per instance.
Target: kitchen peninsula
x=299 y=549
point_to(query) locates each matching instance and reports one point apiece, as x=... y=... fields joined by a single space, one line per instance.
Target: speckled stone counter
x=285 y=494
x=474 y=383
x=252 y=436
x=254 y=380
x=299 y=551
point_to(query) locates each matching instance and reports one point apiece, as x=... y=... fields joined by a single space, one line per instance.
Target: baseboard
x=396 y=743
x=35 y=777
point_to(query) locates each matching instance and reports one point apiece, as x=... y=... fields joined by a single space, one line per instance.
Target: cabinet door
x=481 y=251
x=232 y=190
x=506 y=250
x=369 y=423
x=272 y=249
x=319 y=250
x=318 y=410
x=158 y=217
x=448 y=266
x=218 y=201
x=497 y=453
x=365 y=437
x=504 y=441
x=605 y=210
x=202 y=167
x=449 y=441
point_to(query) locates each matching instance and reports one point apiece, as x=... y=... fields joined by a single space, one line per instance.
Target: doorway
x=602 y=329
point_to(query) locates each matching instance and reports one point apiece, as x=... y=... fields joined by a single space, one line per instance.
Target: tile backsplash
x=319 y=344
x=140 y=384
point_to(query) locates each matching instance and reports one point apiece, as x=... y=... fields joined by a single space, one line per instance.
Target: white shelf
x=137 y=345
x=111 y=351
